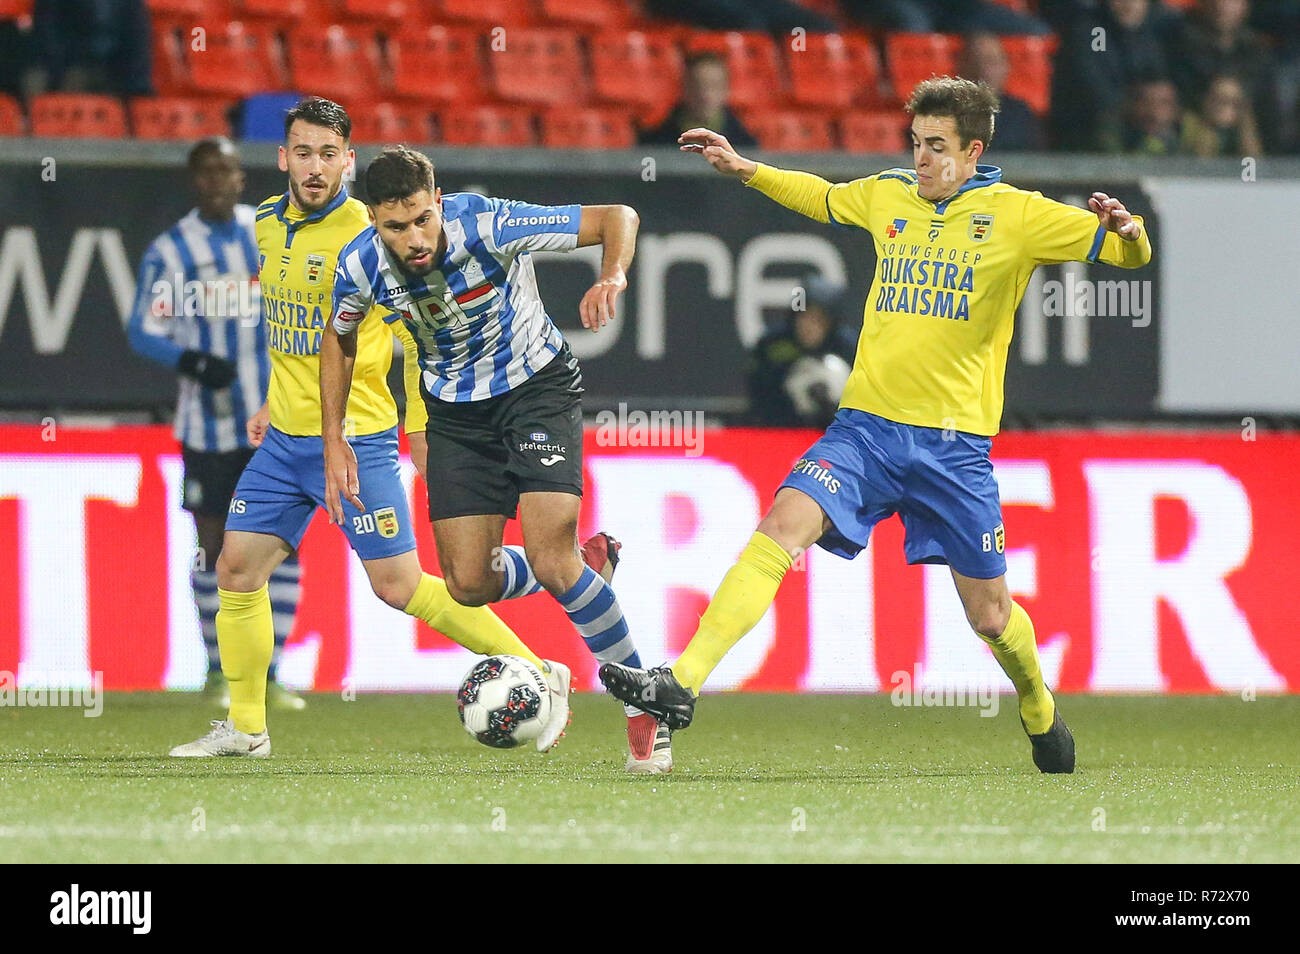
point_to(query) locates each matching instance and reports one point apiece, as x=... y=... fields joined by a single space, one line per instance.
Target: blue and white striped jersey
x=198 y=290
x=477 y=319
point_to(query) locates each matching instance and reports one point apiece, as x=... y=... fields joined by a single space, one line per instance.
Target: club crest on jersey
x=314 y=270
x=999 y=538
x=981 y=225
x=896 y=227
x=386 y=522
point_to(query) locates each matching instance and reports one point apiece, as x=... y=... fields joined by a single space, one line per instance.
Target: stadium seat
x=913 y=57
x=1030 y=77
x=487 y=125
x=239 y=59
x=835 y=71
x=387 y=122
x=539 y=66
x=594 y=14
x=390 y=12
x=190 y=10
x=640 y=69
x=753 y=62
x=175 y=117
x=791 y=130
x=874 y=132
x=77 y=114
x=281 y=13
x=170 y=75
x=587 y=127
x=11 y=117
x=261 y=117
x=455 y=50
x=337 y=61
x=486 y=13
x=15 y=9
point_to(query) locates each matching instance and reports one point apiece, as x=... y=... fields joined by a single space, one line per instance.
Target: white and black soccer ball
x=504 y=701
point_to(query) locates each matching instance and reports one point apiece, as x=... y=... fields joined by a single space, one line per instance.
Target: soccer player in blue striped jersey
x=501 y=386
x=198 y=311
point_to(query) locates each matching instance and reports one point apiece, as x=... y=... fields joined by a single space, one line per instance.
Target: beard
x=305 y=201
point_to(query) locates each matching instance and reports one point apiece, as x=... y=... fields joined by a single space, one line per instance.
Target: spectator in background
x=800 y=369
x=1215 y=40
x=92 y=46
x=1151 y=119
x=984 y=60
x=1100 y=56
x=705 y=91
x=1225 y=123
x=772 y=16
x=944 y=16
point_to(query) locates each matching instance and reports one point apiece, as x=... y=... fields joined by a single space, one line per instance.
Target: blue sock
x=594 y=611
x=204 y=584
x=519 y=575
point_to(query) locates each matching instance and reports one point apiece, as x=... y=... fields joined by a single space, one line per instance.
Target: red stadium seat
x=791 y=130
x=640 y=69
x=15 y=9
x=587 y=127
x=388 y=122
x=539 y=66
x=282 y=13
x=874 y=132
x=436 y=64
x=834 y=70
x=190 y=10
x=337 y=61
x=77 y=114
x=389 y=12
x=239 y=59
x=175 y=117
x=753 y=62
x=1030 y=77
x=488 y=13
x=170 y=75
x=916 y=56
x=11 y=117
x=487 y=125
x=595 y=14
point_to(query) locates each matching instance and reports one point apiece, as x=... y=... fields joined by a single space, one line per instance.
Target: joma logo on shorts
x=820 y=471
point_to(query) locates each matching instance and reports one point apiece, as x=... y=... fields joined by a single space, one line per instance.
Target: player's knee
x=395 y=592
x=990 y=620
x=471 y=589
x=234 y=574
x=556 y=570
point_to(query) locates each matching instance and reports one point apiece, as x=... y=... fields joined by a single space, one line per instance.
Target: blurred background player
x=801 y=368
x=955 y=248
x=502 y=388
x=219 y=349
x=299 y=235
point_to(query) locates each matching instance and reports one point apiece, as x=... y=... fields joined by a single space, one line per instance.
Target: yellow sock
x=742 y=598
x=1017 y=653
x=476 y=628
x=246 y=638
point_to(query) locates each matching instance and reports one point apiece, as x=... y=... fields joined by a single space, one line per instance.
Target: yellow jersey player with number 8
x=955 y=247
x=299 y=235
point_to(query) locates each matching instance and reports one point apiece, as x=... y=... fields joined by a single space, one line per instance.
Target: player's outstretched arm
x=614 y=227
x=337 y=355
x=718 y=151
x=1134 y=248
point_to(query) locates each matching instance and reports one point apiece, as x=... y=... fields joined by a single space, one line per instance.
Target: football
x=504 y=701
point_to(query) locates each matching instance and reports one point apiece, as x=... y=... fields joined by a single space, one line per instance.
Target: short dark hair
x=320 y=112
x=396 y=173
x=706 y=57
x=218 y=144
x=972 y=105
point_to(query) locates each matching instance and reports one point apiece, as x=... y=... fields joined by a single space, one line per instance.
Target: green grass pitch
x=758 y=778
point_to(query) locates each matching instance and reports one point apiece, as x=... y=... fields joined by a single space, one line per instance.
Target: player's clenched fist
x=1113 y=216
x=341 y=478
x=256 y=425
x=715 y=148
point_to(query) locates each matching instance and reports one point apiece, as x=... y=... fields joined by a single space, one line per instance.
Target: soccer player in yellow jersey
x=299 y=235
x=955 y=247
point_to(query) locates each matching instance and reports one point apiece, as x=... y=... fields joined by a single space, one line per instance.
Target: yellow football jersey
x=297 y=257
x=949 y=277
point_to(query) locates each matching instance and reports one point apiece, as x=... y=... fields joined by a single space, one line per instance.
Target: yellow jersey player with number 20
x=955 y=247
x=299 y=236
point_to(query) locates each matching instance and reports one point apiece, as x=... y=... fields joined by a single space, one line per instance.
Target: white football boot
x=225 y=739
x=557 y=677
x=649 y=744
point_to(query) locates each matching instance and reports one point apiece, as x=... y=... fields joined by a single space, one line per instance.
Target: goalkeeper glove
x=209 y=370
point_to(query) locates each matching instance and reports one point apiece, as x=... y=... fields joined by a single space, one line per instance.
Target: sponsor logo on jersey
x=553 y=459
x=936 y=226
x=537 y=220
x=386 y=521
x=314 y=270
x=980 y=227
x=896 y=227
x=238 y=506
x=539 y=436
x=542 y=446
x=820 y=471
